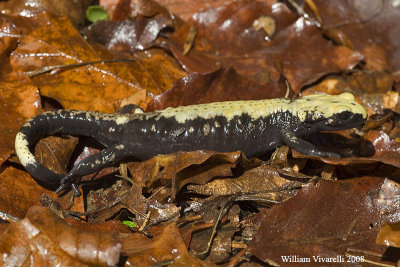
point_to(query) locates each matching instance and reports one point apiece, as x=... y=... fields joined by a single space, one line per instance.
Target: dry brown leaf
x=266 y=180
x=182 y=168
x=222 y=243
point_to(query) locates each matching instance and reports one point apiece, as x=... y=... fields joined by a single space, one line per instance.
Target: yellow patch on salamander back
x=321 y=106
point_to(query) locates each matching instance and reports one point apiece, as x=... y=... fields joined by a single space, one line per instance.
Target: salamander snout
x=341 y=121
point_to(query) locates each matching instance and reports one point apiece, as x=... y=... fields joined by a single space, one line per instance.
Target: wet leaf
x=380 y=101
x=389 y=235
x=221 y=85
x=99 y=86
x=19 y=102
x=364 y=85
x=226 y=37
x=127 y=9
x=327 y=219
x=166 y=244
x=19 y=191
x=371 y=20
x=43 y=237
x=127 y=36
x=185 y=9
x=280 y=204
x=8 y=42
x=55 y=153
x=74 y=10
x=135 y=25
x=386 y=150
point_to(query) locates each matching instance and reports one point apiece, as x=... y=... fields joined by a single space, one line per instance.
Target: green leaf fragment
x=95 y=13
x=130 y=224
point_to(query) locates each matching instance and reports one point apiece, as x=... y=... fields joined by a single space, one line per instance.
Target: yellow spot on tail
x=22 y=150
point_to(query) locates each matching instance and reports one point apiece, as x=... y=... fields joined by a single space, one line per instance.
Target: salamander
x=252 y=126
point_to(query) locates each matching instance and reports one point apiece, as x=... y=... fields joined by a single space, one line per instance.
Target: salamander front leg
x=91 y=164
x=305 y=147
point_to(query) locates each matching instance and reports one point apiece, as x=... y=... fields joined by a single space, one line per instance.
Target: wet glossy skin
x=254 y=127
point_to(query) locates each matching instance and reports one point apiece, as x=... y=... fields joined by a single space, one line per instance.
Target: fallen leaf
x=372 y=20
x=226 y=38
x=74 y=10
x=128 y=36
x=224 y=84
x=20 y=101
x=127 y=9
x=166 y=244
x=45 y=238
x=265 y=182
x=55 y=153
x=365 y=85
x=222 y=243
x=375 y=146
x=181 y=168
x=8 y=42
x=327 y=219
x=99 y=86
x=19 y=191
x=187 y=8
x=389 y=235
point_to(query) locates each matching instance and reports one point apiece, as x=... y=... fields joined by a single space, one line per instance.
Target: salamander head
x=330 y=112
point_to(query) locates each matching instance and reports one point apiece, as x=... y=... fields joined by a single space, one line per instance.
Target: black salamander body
x=254 y=127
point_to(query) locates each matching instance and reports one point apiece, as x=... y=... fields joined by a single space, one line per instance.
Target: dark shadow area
x=391 y=254
x=346 y=147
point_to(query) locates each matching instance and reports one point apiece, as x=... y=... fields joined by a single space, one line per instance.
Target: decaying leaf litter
x=202 y=208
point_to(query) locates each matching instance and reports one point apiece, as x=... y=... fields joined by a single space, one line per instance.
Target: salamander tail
x=42 y=125
x=32 y=165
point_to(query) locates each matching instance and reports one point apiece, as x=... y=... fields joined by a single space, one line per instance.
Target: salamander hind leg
x=305 y=147
x=91 y=164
